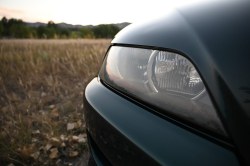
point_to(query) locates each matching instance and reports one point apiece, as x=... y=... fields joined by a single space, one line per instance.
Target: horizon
x=86 y=12
x=72 y=24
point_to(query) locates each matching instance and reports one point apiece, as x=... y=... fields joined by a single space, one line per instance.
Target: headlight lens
x=163 y=79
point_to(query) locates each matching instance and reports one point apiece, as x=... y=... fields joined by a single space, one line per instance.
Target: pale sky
x=86 y=12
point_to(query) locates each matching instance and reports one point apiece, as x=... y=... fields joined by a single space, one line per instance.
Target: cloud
x=17 y=14
x=10 y=12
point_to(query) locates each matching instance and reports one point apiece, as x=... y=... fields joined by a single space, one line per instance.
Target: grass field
x=41 y=98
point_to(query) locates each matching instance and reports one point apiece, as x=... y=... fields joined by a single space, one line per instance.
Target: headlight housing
x=165 y=80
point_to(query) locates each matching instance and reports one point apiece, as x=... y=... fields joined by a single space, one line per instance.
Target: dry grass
x=41 y=91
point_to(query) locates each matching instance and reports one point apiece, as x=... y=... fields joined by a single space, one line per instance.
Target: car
x=175 y=90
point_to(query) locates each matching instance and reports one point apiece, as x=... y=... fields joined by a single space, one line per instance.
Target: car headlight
x=165 y=80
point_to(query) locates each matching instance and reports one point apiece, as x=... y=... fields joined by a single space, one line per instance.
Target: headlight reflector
x=173 y=73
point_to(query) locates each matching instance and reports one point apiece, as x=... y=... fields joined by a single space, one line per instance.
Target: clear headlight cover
x=163 y=79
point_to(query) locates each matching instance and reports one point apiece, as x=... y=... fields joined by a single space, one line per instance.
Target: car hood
x=215 y=37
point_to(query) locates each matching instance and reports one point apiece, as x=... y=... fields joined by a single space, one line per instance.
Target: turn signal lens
x=163 y=79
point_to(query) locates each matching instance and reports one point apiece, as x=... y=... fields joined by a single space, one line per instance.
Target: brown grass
x=38 y=79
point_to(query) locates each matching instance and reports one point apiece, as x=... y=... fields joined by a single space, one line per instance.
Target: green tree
x=1 y=29
x=45 y=32
x=4 y=20
x=74 y=35
x=51 y=24
x=34 y=33
x=15 y=28
x=86 y=33
x=114 y=30
x=101 y=31
x=105 y=31
x=4 y=23
x=19 y=31
x=64 y=33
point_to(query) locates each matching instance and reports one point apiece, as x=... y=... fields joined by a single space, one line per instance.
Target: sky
x=85 y=12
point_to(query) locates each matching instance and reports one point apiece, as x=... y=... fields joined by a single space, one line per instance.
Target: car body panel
x=128 y=134
x=215 y=37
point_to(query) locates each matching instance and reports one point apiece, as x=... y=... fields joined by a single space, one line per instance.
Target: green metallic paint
x=129 y=135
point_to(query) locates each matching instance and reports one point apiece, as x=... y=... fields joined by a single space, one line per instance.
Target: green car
x=175 y=90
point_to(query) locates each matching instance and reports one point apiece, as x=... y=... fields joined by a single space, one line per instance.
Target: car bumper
x=124 y=132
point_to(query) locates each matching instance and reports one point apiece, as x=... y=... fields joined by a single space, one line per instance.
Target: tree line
x=16 y=28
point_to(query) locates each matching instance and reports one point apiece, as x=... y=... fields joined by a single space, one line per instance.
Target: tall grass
x=41 y=91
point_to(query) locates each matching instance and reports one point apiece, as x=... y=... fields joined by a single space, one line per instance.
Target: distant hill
x=36 y=24
x=122 y=25
x=65 y=25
